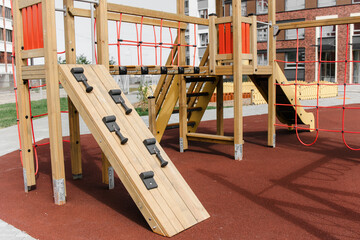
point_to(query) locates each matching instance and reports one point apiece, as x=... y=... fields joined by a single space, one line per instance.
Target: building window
x=355 y=1
x=357 y=29
x=291 y=5
x=356 y=72
x=244 y=8
x=262 y=59
x=4 y=55
x=326 y=3
x=203 y=13
x=262 y=34
x=292 y=34
x=8 y=35
x=290 y=60
x=328 y=31
x=204 y=39
x=261 y=6
x=327 y=71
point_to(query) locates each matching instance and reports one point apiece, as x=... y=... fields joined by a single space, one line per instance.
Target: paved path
x=9 y=140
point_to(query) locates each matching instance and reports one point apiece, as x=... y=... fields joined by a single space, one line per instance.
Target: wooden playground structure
x=129 y=148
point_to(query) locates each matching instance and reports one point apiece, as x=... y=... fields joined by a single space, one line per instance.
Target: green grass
x=8 y=111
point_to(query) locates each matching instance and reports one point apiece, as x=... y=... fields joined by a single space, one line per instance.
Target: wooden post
x=23 y=103
x=152 y=115
x=253 y=45
x=238 y=100
x=74 y=124
x=103 y=58
x=213 y=44
x=53 y=101
x=219 y=8
x=220 y=107
x=182 y=85
x=272 y=79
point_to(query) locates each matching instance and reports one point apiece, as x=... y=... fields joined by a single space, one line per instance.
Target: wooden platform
x=171 y=207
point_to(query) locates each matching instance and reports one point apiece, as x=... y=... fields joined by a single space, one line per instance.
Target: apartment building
x=333 y=38
x=5 y=45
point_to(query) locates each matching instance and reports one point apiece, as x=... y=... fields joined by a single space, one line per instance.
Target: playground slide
x=157 y=188
x=284 y=95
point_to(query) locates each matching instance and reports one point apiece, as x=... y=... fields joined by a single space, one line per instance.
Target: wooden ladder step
x=191 y=109
x=199 y=94
x=201 y=137
x=176 y=125
x=33 y=72
x=200 y=79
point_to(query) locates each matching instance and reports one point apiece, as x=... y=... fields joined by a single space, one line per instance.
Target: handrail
x=318 y=23
x=156 y=14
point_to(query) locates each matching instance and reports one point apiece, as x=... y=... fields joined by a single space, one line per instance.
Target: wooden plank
x=140 y=157
x=143 y=198
x=182 y=84
x=53 y=102
x=27 y=152
x=318 y=23
x=228 y=56
x=155 y=14
x=213 y=45
x=26 y=3
x=170 y=171
x=272 y=80
x=74 y=121
x=78 y=12
x=33 y=72
x=238 y=98
x=33 y=53
x=229 y=19
x=201 y=137
x=220 y=107
x=253 y=42
x=152 y=115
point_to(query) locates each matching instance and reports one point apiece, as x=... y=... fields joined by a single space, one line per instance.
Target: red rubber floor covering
x=290 y=192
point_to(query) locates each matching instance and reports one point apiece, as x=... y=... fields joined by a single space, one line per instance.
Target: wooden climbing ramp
x=285 y=97
x=158 y=189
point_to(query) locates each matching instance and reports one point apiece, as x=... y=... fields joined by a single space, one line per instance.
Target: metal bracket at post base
x=59 y=191
x=111 y=178
x=238 y=151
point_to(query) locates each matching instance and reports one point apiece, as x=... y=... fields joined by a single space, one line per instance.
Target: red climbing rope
x=318 y=84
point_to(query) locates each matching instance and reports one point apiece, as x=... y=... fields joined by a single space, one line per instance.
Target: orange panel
x=25 y=29
x=35 y=26
x=41 y=38
x=30 y=27
x=247 y=30
x=243 y=37
x=221 y=39
x=228 y=42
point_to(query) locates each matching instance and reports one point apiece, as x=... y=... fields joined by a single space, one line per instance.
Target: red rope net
x=318 y=85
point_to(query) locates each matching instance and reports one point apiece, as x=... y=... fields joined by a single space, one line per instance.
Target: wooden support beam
x=112 y=7
x=182 y=84
x=253 y=42
x=33 y=53
x=103 y=58
x=33 y=72
x=219 y=8
x=27 y=152
x=74 y=122
x=238 y=73
x=152 y=115
x=79 y=12
x=27 y=3
x=201 y=137
x=53 y=102
x=213 y=45
x=220 y=107
x=272 y=79
x=317 y=23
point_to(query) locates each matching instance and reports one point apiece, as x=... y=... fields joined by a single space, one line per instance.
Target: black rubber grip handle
x=127 y=109
x=163 y=163
x=123 y=139
x=87 y=86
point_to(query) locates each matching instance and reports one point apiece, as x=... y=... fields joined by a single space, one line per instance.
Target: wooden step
x=199 y=94
x=198 y=79
x=201 y=137
x=192 y=109
x=176 y=125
